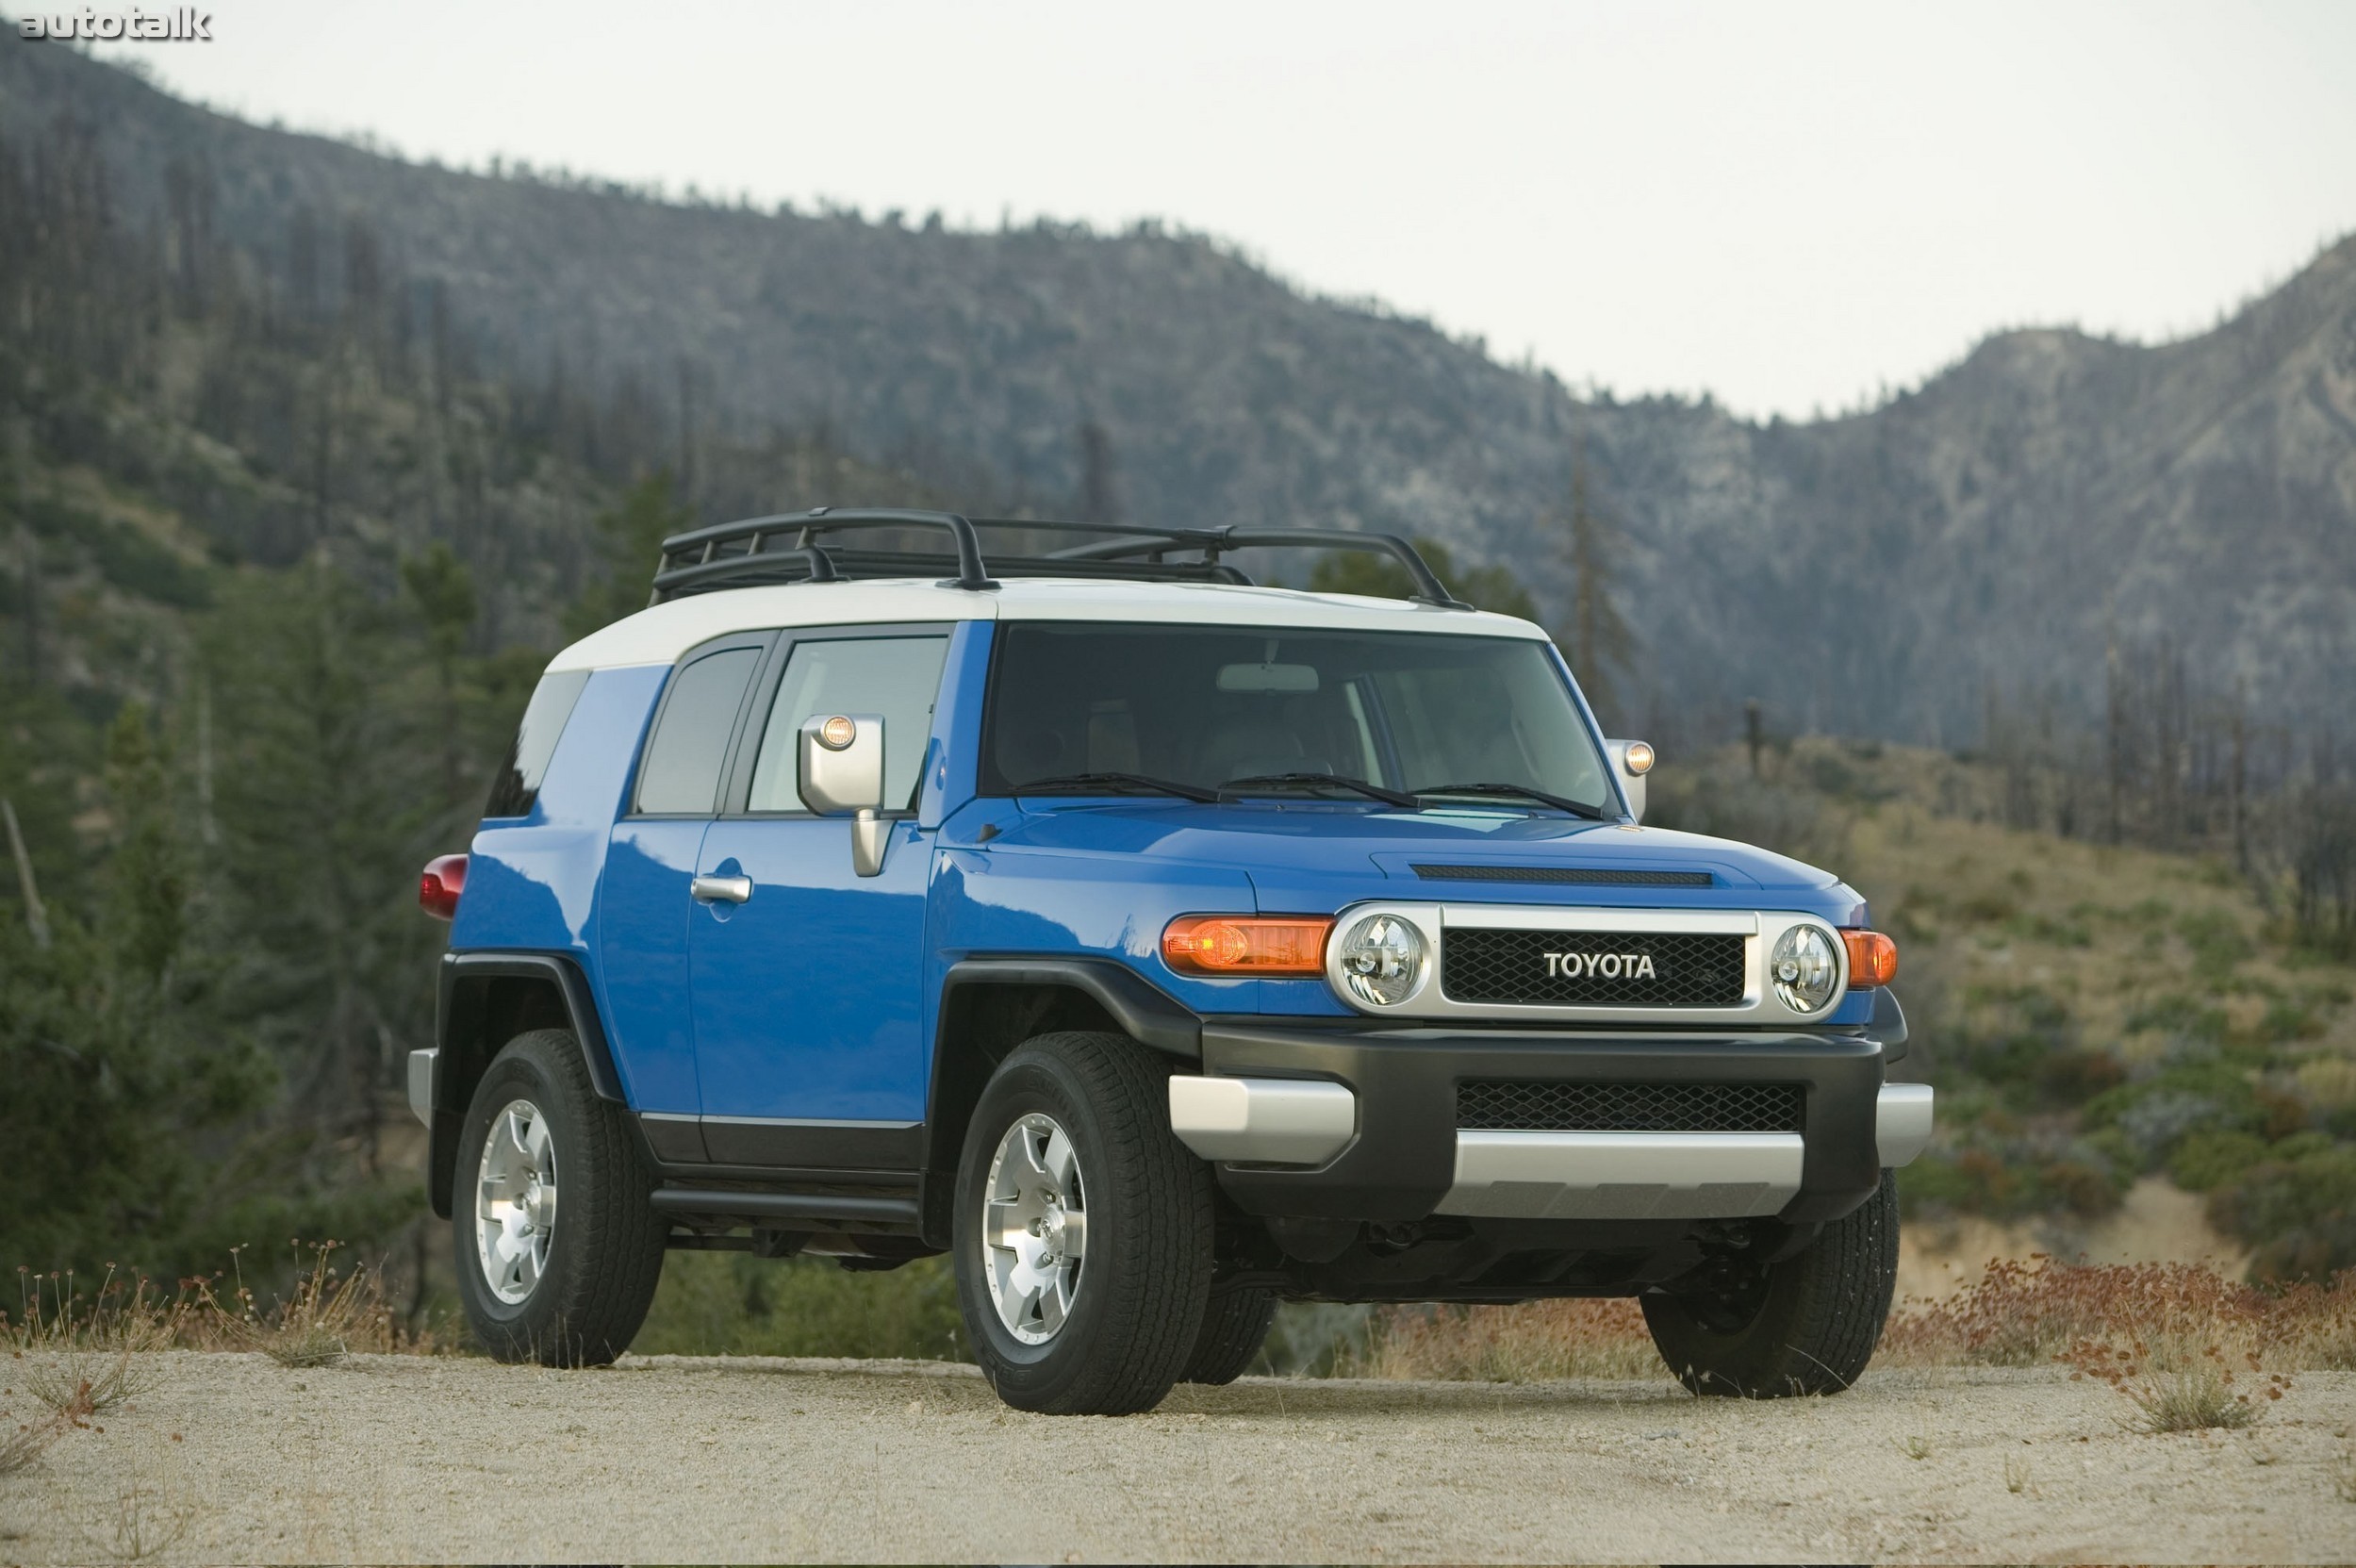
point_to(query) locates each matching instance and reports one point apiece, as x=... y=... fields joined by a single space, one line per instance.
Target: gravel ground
x=230 y=1458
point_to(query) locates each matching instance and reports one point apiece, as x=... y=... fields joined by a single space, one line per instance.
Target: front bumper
x=1398 y=1156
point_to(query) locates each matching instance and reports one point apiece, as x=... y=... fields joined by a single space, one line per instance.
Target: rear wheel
x=1083 y=1230
x=563 y=1283
x=1807 y=1325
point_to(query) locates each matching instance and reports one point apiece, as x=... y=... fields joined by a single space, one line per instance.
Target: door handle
x=734 y=890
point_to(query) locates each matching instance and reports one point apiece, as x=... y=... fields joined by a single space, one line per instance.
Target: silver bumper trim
x=1623 y=1175
x=1901 y=1122
x=1262 y=1121
x=422 y=1064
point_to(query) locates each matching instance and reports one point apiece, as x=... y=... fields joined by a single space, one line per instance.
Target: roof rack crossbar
x=734 y=551
x=705 y=544
x=1430 y=590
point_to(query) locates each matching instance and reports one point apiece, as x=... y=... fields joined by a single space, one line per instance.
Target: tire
x=1105 y=1330
x=1235 y=1325
x=578 y=1275
x=1807 y=1325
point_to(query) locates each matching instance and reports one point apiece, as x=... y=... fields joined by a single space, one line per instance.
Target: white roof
x=661 y=633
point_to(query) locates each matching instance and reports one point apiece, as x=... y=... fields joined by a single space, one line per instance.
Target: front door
x=644 y=906
x=808 y=993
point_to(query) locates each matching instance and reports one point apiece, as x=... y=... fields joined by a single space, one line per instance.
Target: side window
x=682 y=775
x=895 y=677
x=517 y=784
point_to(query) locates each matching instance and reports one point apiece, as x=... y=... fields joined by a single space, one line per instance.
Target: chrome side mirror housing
x=1631 y=760
x=840 y=758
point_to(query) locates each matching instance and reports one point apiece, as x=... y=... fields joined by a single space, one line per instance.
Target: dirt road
x=397 y=1459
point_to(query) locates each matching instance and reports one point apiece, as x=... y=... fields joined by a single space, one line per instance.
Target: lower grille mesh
x=1547 y=1105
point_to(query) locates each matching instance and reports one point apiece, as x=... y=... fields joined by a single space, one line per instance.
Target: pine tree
x=1600 y=640
x=629 y=541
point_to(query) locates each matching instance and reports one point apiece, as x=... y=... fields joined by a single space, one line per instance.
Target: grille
x=1511 y=966
x=1543 y=1105
x=1584 y=876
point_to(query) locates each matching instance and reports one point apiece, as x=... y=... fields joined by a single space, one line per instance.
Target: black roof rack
x=799 y=547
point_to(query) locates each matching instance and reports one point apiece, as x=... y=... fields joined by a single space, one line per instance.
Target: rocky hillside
x=1876 y=574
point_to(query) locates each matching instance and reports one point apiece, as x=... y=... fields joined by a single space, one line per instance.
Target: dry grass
x=1535 y=1343
x=77 y=1358
x=2190 y=1397
x=144 y=1522
x=26 y=1441
x=2032 y=1312
x=75 y=1339
x=331 y=1315
x=2165 y=1319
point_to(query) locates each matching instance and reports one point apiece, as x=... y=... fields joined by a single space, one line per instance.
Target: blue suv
x=1159 y=946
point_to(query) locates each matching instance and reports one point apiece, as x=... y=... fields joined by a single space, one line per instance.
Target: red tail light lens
x=438 y=886
x=1873 y=959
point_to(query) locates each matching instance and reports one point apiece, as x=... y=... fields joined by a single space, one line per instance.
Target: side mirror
x=1631 y=760
x=841 y=761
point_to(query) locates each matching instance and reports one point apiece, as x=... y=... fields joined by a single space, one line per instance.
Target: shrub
x=2217 y=939
x=2180 y=1017
x=732 y=1304
x=2205 y=1161
x=2074 y=1076
x=2299 y=1211
x=2188 y=1097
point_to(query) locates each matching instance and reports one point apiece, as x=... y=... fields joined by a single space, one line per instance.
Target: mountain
x=1883 y=574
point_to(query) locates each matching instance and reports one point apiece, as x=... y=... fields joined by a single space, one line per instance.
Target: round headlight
x=1383 y=960
x=1804 y=969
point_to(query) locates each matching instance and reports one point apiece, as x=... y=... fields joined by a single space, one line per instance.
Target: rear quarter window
x=517 y=784
x=682 y=773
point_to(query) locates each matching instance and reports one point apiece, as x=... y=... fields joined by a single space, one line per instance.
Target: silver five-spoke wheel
x=1034 y=1229
x=515 y=1202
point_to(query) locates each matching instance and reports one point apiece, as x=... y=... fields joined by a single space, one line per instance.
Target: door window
x=895 y=677
x=682 y=775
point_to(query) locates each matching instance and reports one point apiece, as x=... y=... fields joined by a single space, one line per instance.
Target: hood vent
x=1584 y=876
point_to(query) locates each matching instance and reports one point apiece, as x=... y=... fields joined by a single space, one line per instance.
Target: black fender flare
x=969 y=1039
x=461 y=1024
x=1144 y=1012
x=1889 y=1025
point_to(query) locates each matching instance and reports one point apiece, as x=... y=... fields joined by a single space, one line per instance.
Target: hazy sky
x=1788 y=206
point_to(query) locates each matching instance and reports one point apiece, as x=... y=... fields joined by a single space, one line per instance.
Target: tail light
x=1244 y=946
x=1873 y=959
x=440 y=884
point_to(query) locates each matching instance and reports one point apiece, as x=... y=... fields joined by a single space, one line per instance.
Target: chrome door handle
x=734 y=890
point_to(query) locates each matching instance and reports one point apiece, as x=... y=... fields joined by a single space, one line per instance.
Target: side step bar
x=787 y=1208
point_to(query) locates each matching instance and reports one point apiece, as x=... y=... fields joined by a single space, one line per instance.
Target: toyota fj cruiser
x=1159 y=946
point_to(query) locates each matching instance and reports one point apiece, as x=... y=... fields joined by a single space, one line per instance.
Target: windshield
x=1201 y=707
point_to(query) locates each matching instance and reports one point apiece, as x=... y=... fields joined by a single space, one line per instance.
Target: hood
x=1292 y=849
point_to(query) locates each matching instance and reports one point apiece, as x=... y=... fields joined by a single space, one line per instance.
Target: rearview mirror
x=1631 y=760
x=841 y=761
x=1268 y=679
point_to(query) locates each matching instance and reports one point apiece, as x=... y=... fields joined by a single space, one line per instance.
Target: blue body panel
x=819 y=998
x=803 y=1005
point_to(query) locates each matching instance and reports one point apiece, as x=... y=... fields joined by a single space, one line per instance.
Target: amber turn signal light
x=1873 y=959
x=1244 y=946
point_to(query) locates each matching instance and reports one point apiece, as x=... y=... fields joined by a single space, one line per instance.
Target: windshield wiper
x=1258 y=781
x=1517 y=792
x=1112 y=783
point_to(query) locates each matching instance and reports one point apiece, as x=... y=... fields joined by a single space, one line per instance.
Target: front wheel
x=1083 y=1230
x=563 y=1283
x=1807 y=1325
